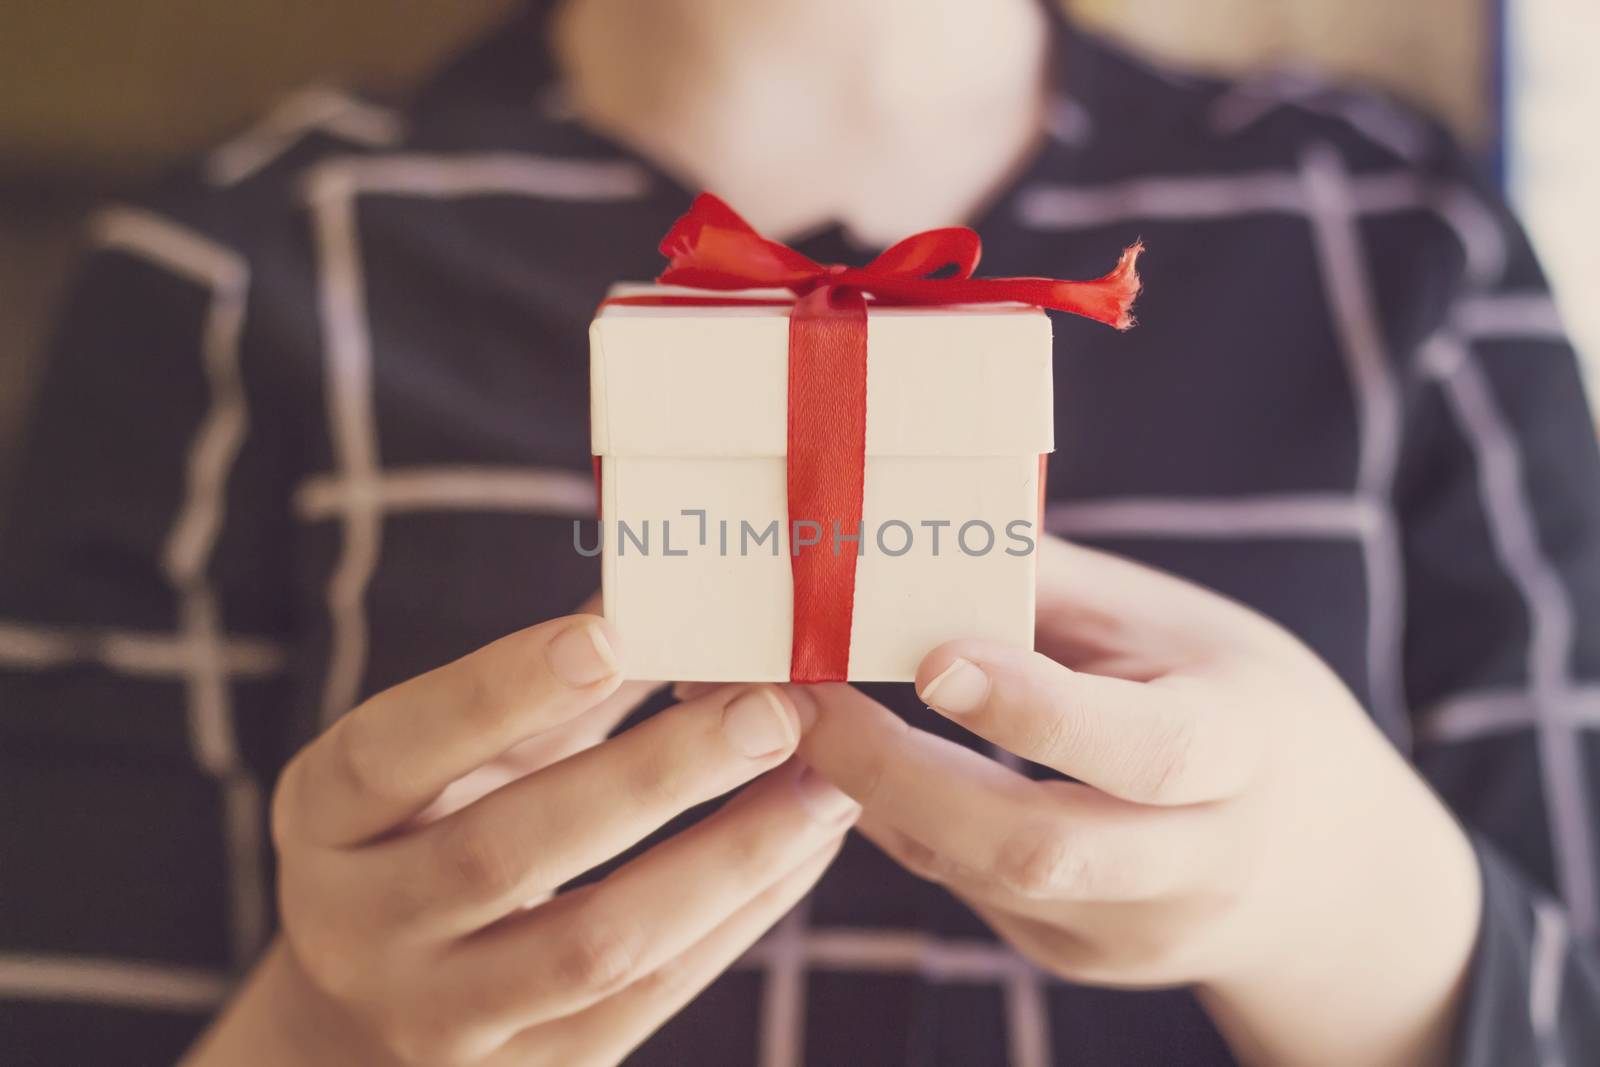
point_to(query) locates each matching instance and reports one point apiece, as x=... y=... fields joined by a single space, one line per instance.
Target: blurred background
x=96 y=98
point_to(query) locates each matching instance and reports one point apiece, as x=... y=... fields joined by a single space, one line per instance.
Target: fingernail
x=958 y=689
x=757 y=724
x=581 y=655
x=826 y=802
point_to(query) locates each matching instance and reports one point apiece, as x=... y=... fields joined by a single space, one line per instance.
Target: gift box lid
x=713 y=381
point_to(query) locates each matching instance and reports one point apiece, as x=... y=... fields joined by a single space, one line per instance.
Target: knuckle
x=1046 y=862
x=876 y=773
x=601 y=955
x=676 y=976
x=360 y=762
x=1161 y=768
x=655 y=781
x=1050 y=734
x=750 y=851
x=479 y=863
x=924 y=862
x=489 y=693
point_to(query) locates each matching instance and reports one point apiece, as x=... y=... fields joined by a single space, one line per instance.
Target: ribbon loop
x=923 y=254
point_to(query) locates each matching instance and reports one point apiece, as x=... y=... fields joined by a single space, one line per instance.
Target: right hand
x=418 y=934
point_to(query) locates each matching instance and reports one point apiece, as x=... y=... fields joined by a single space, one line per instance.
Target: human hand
x=416 y=890
x=1237 y=821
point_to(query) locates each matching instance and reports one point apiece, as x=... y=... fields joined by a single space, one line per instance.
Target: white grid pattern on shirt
x=1551 y=941
x=1496 y=712
x=140 y=655
x=1027 y=1012
x=850 y=950
x=1517 y=316
x=782 y=1027
x=1336 y=238
x=362 y=492
x=1254 y=98
x=537 y=489
x=314 y=108
x=1552 y=690
x=159 y=986
x=334 y=187
x=1197 y=198
x=186 y=555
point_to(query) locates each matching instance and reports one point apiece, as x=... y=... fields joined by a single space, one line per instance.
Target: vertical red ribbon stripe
x=826 y=473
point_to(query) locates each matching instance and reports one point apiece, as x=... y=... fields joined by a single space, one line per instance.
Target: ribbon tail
x=827 y=445
x=1108 y=299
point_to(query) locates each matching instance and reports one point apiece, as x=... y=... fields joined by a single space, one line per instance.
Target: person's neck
x=887 y=116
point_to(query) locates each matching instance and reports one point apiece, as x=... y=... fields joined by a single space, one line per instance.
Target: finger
x=385 y=761
x=978 y=820
x=1170 y=741
x=1081 y=847
x=919 y=782
x=607 y=1032
x=541 y=831
x=540 y=751
x=579 y=733
x=1100 y=612
x=591 y=943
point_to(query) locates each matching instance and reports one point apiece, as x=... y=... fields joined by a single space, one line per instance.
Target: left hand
x=1237 y=822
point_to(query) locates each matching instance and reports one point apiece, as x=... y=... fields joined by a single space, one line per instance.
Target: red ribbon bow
x=711 y=247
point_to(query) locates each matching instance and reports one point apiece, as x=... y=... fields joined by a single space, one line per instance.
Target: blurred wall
x=105 y=90
x=109 y=89
x=1430 y=52
x=1554 y=90
x=95 y=94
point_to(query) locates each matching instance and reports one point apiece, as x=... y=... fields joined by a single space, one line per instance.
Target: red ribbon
x=711 y=247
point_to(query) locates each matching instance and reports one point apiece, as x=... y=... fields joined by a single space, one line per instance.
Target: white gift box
x=689 y=420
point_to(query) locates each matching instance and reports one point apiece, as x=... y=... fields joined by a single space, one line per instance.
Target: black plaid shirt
x=315 y=422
